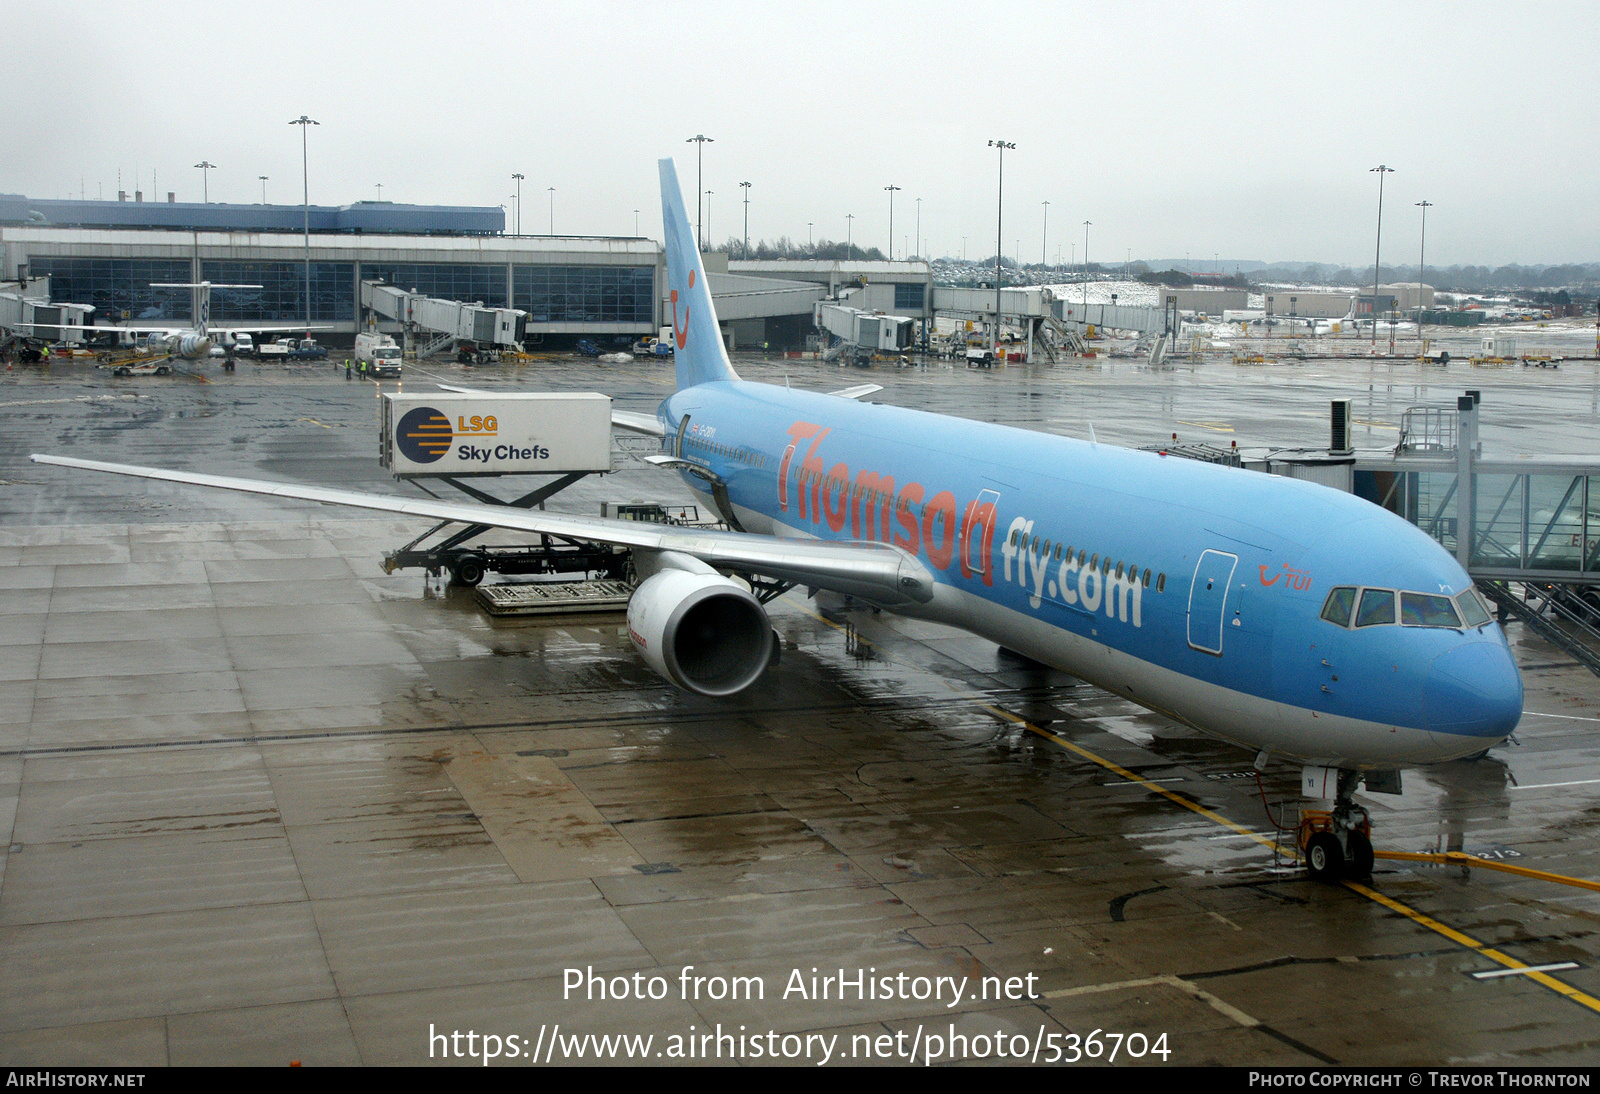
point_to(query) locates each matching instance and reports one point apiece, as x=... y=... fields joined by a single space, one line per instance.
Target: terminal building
x=107 y=254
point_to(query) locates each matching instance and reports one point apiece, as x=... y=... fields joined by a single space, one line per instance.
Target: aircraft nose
x=1475 y=691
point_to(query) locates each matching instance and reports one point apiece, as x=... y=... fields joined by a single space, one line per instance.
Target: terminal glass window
x=586 y=294
x=281 y=297
x=119 y=288
x=472 y=284
x=909 y=297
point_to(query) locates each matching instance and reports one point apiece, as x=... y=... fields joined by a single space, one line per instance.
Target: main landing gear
x=1338 y=845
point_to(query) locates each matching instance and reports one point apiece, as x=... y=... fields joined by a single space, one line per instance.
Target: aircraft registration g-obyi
x=1292 y=619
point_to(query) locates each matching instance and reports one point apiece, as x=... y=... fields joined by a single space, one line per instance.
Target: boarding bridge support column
x=1466 y=486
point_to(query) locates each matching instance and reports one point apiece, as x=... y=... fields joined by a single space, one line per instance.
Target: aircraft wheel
x=1324 y=857
x=466 y=570
x=1360 y=847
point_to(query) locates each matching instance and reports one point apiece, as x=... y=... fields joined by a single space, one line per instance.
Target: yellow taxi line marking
x=1465 y=941
x=1461 y=858
x=1542 y=978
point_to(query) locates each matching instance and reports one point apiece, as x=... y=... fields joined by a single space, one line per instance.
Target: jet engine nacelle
x=704 y=632
x=191 y=346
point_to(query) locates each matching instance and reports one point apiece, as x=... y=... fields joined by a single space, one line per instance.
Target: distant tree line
x=1583 y=279
x=825 y=249
x=1557 y=284
x=1177 y=279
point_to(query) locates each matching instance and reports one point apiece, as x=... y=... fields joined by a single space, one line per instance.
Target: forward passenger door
x=1208 y=599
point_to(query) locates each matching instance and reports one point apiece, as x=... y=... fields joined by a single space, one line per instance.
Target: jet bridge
x=865 y=333
x=1068 y=322
x=29 y=314
x=447 y=321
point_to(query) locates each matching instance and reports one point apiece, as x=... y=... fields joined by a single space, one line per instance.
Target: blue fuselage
x=1198 y=591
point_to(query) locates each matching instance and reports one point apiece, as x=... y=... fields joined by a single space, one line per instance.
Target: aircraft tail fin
x=697 y=339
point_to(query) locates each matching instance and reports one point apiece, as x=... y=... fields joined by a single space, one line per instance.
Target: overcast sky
x=1240 y=129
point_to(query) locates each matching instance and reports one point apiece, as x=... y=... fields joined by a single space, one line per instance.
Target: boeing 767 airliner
x=1298 y=621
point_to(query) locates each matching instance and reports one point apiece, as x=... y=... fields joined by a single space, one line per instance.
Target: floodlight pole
x=999 y=235
x=699 y=140
x=1086 y=273
x=1422 y=257
x=891 y=190
x=746 y=187
x=1377 y=252
x=305 y=203
x=205 y=180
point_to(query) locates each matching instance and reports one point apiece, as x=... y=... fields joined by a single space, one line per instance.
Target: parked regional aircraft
x=1295 y=620
x=1346 y=322
x=189 y=343
x=1317 y=326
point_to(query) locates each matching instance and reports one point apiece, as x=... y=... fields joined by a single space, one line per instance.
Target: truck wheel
x=466 y=570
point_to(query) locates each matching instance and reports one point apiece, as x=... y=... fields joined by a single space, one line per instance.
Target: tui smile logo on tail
x=680 y=331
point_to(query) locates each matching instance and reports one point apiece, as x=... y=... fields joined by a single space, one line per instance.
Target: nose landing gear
x=1338 y=845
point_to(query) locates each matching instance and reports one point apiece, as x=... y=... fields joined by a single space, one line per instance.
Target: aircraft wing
x=647 y=424
x=170 y=328
x=877 y=572
x=256 y=328
x=857 y=392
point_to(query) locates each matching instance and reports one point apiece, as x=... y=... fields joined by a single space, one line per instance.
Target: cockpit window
x=1377 y=606
x=1336 y=609
x=1472 y=609
x=1423 y=610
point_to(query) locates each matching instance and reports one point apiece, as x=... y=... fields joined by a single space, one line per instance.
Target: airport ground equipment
x=468 y=563
x=34 y=318
x=1056 y=324
x=444 y=322
x=148 y=368
x=864 y=333
x=460 y=433
x=377 y=354
x=291 y=349
x=450 y=437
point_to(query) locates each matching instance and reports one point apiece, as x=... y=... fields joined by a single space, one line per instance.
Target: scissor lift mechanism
x=467 y=563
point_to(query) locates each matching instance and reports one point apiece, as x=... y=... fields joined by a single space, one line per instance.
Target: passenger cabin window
x=1423 y=610
x=1377 y=607
x=1336 y=609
